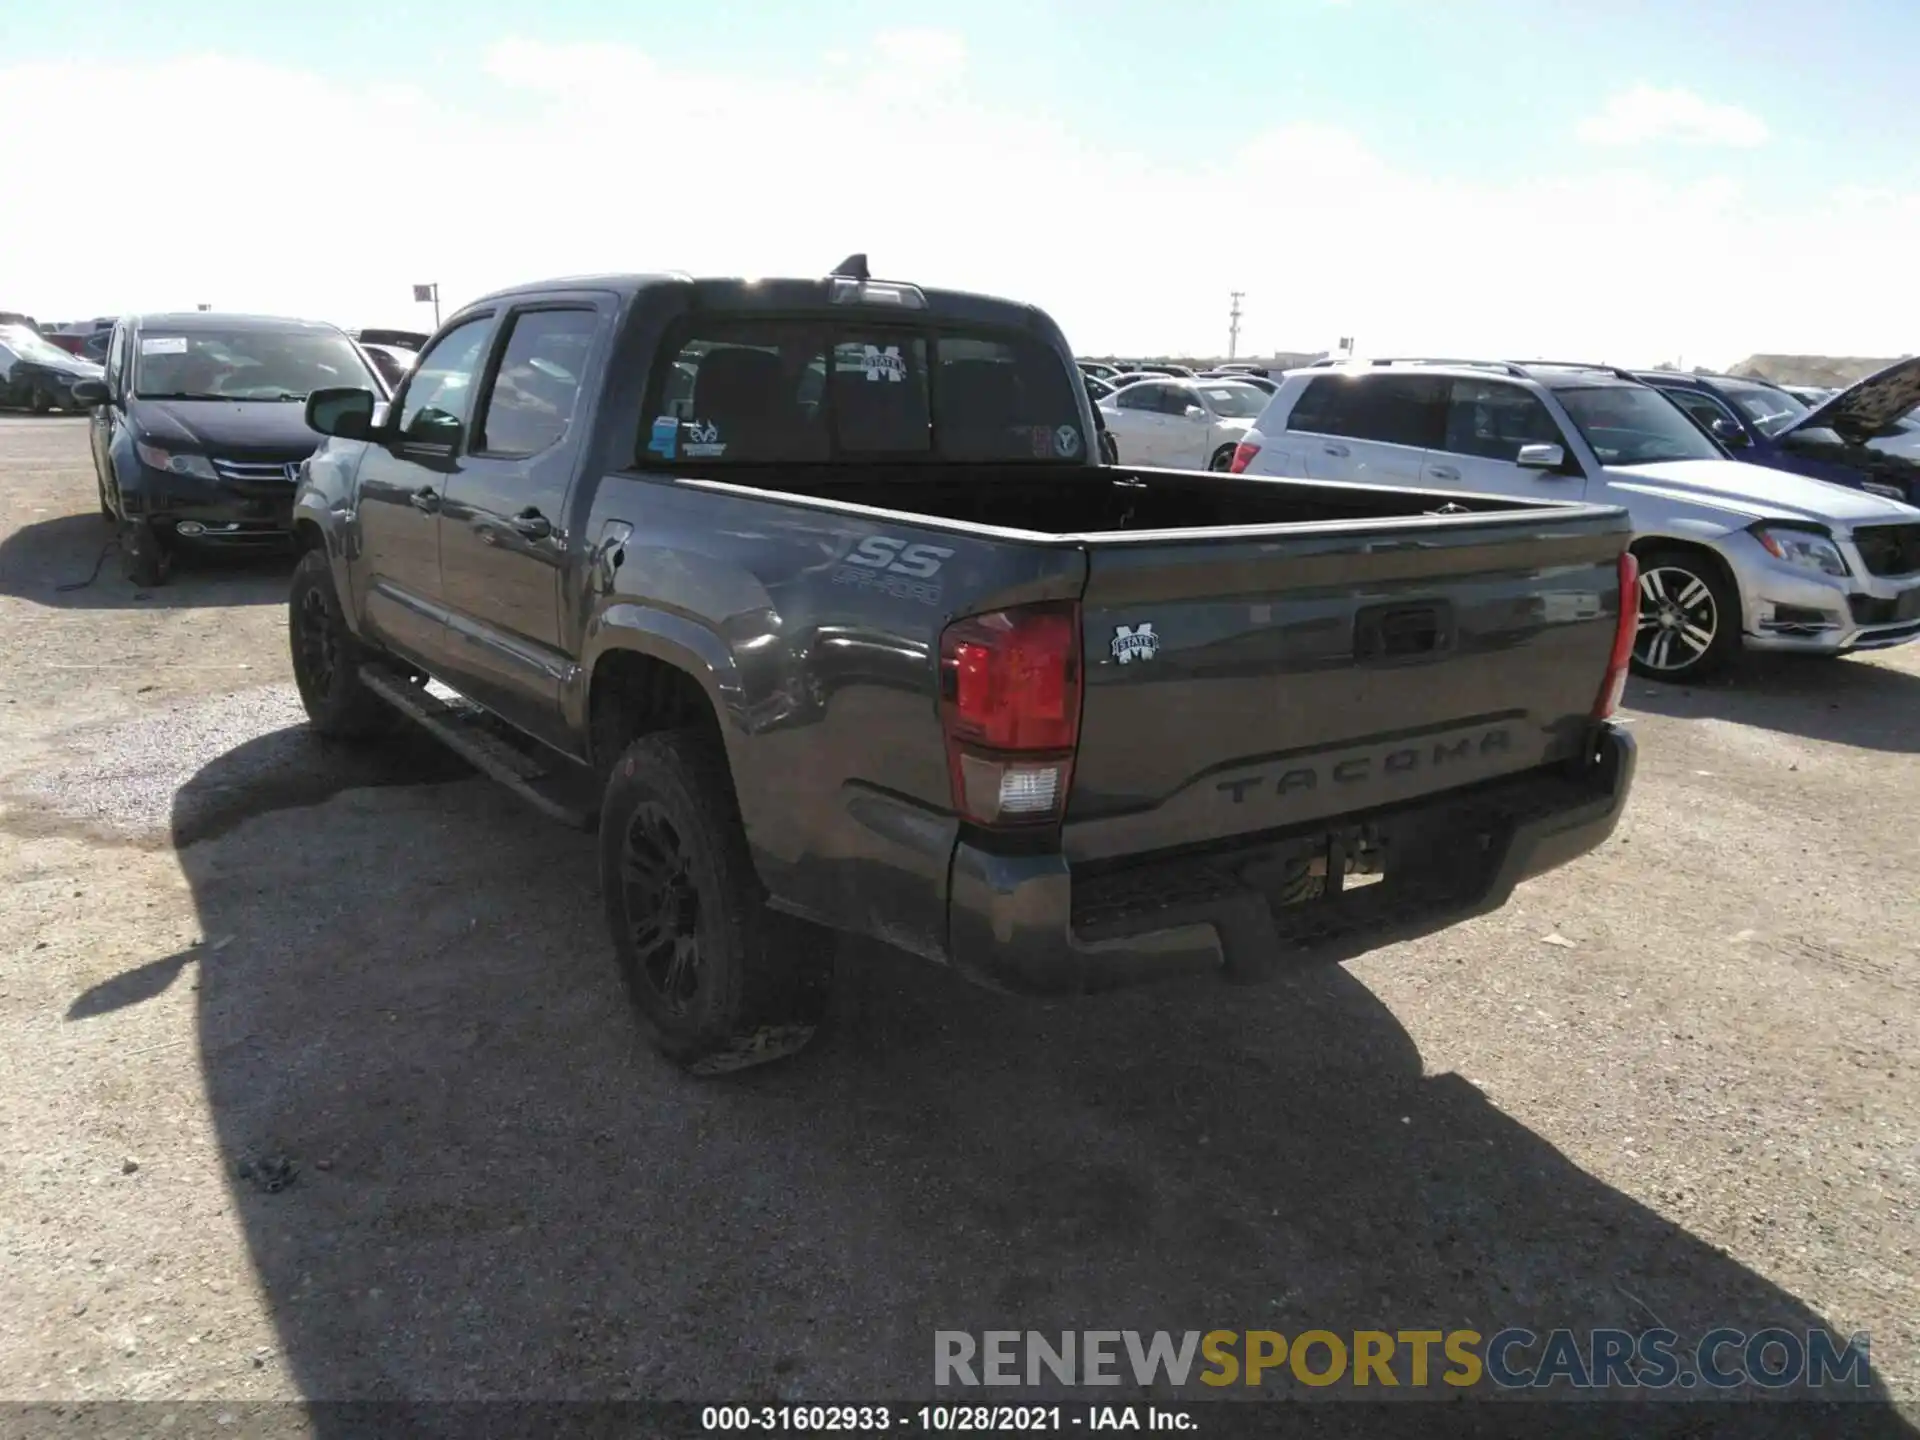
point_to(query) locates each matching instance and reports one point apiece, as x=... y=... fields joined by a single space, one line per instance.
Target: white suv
x=1729 y=553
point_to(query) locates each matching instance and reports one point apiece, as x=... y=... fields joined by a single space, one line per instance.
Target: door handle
x=532 y=524
x=1339 y=450
x=426 y=499
x=1442 y=472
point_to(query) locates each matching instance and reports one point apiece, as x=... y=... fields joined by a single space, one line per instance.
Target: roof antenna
x=854 y=267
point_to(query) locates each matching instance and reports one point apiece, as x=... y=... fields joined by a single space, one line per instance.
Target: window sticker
x=880 y=364
x=703 y=440
x=666 y=437
x=1042 y=440
x=1066 y=442
x=163 y=345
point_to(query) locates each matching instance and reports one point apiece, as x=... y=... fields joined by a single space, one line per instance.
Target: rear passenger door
x=503 y=520
x=1487 y=422
x=1374 y=428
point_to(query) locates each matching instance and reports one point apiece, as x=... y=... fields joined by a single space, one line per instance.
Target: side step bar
x=552 y=784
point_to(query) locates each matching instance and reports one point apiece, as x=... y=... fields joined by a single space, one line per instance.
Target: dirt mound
x=1837 y=371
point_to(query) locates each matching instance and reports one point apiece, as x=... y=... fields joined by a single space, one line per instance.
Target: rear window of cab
x=798 y=392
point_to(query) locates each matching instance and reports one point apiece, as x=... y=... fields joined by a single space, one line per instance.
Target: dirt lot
x=233 y=958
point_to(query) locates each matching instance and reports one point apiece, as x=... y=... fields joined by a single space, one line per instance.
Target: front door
x=100 y=420
x=1487 y=423
x=504 y=534
x=403 y=479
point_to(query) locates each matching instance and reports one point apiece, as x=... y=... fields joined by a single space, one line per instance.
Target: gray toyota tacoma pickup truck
x=812 y=596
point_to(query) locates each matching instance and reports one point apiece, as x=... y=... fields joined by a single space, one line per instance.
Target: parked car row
x=37 y=375
x=1732 y=554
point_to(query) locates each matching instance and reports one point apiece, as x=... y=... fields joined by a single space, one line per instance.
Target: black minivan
x=198 y=429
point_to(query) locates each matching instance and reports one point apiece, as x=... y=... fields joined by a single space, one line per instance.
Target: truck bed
x=1095 y=499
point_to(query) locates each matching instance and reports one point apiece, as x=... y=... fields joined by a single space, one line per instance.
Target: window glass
x=795 y=391
x=1004 y=398
x=1700 y=406
x=1320 y=405
x=247 y=364
x=25 y=344
x=1769 y=409
x=533 y=393
x=880 y=393
x=441 y=391
x=117 y=358
x=1492 y=420
x=1633 y=425
x=1175 y=399
x=1235 y=402
x=1391 y=409
x=1142 y=395
x=743 y=391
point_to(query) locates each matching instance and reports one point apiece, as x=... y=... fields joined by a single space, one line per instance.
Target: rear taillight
x=1615 y=683
x=1243 y=454
x=1010 y=707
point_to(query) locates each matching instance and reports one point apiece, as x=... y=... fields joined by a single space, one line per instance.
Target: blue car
x=1858 y=438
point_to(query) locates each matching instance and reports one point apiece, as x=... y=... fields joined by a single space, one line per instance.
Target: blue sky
x=1526 y=176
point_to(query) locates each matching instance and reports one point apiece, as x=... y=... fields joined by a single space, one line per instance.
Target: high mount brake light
x=1615 y=683
x=1010 y=688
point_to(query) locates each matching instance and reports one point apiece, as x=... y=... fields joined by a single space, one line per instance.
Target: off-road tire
x=725 y=983
x=327 y=658
x=143 y=555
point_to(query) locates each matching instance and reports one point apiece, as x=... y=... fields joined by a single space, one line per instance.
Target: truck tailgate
x=1239 y=685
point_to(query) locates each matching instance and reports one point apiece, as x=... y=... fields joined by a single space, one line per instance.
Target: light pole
x=424 y=293
x=1233 y=324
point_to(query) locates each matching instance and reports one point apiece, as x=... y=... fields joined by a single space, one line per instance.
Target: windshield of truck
x=1633 y=425
x=785 y=391
x=246 y=364
x=1770 y=410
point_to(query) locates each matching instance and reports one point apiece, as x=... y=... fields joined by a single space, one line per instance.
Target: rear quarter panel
x=815 y=634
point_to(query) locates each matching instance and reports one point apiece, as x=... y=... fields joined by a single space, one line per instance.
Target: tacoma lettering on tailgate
x=1402 y=759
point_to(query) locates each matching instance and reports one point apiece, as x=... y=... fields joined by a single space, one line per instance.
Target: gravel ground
x=317 y=1081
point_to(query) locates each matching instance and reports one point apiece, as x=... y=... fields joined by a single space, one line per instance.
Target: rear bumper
x=1026 y=924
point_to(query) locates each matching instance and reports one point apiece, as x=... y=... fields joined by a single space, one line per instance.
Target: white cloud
x=261 y=187
x=1647 y=113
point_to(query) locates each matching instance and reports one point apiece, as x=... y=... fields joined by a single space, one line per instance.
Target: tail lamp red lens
x=1615 y=683
x=1243 y=454
x=1010 y=684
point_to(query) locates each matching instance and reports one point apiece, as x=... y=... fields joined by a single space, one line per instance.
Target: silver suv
x=1730 y=554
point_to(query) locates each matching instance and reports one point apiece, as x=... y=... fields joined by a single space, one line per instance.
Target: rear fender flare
x=674 y=640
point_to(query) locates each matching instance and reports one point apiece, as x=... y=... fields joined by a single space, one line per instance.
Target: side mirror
x=1194 y=412
x=342 y=411
x=1541 y=457
x=90 y=392
x=1728 y=432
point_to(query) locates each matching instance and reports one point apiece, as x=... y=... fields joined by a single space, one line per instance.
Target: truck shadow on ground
x=462 y=1176
x=50 y=561
x=1847 y=702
